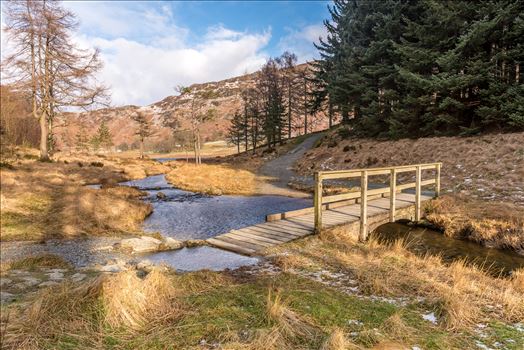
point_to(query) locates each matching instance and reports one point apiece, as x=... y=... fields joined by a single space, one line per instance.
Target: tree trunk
x=245 y=129
x=142 y=148
x=289 y=110
x=305 y=107
x=330 y=114
x=44 y=154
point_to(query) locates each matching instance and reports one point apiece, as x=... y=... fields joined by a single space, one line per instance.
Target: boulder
x=172 y=244
x=31 y=281
x=111 y=268
x=77 y=277
x=143 y=244
x=161 y=195
x=56 y=275
x=47 y=284
x=6 y=297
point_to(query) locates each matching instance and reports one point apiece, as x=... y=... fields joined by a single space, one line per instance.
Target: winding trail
x=280 y=171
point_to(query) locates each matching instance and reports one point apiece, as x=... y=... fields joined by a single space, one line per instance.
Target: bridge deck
x=250 y=240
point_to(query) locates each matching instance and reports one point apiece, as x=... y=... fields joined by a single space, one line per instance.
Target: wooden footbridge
x=362 y=211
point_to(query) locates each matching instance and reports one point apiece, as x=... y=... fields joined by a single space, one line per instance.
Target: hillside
x=488 y=167
x=223 y=96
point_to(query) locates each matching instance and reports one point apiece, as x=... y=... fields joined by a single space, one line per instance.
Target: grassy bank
x=488 y=167
x=50 y=200
x=311 y=304
x=491 y=224
x=214 y=179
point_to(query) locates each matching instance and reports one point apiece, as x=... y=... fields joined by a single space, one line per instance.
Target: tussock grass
x=393 y=271
x=121 y=305
x=32 y=263
x=212 y=179
x=498 y=225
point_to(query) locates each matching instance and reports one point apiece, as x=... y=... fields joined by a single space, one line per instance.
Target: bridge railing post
x=363 y=206
x=317 y=200
x=392 y=194
x=417 y=193
x=437 y=179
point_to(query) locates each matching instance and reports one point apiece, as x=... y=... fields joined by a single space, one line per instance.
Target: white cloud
x=301 y=41
x=145 y=73
x=146 y=55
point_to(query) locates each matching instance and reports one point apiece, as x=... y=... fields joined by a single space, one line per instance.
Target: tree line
x=426 y=67
x=280 y=105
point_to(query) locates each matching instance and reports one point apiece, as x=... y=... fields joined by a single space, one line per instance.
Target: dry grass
x=490 y=166
x=498 y=225
x=123 y=304
x=212 y=179
x=44 y=200
x=32 y=263
x=393 y=271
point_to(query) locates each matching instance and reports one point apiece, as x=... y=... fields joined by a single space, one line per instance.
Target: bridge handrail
x=320 y=200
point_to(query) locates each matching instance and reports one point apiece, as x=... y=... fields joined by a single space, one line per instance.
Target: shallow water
x=202 y=258
x=167 y=159
x=187 y=215
x=424 y=241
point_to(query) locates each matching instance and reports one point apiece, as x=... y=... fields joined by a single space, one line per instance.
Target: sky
x=149 y=47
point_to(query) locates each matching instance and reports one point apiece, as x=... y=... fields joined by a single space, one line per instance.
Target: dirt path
x=280 y=170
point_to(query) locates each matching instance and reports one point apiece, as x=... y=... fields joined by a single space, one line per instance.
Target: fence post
x=417 y=194
x=392 y=194
x=437 y=180
x=318 y=202
x=363 y=206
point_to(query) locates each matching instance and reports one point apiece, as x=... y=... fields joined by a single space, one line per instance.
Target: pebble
x=5 y=282
x=6 y=297
x=111 y=268
x=77 y=277
x=57 y=275
x=30 y=281
x=47 y=284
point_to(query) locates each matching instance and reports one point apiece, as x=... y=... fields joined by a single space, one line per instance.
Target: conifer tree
x=237 y=130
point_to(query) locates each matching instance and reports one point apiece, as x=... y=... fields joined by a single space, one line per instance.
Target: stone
x=56 y=275
x=143 y=244
x=144 y=265
x=30 y=281
x=161 y=195
x=5 y=282
x=47 y=284
x=111 y=268
x=77 y=277
x=6 y=297
x=172 y=244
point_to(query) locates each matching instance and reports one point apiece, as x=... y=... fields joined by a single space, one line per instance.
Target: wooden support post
x=392 y=195
x=417 y=194
x=318 y=202
x=363 y=206
x=437 y=180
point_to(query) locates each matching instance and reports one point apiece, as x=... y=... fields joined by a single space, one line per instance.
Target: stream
x=423 y=241
x=186 y=215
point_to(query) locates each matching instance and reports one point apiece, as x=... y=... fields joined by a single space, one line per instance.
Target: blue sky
x=150 y=47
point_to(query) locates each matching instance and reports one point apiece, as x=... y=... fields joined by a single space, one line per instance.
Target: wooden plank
x=244 y=238
x=290 y=227
x=239 y=242
x=437 y=180
x=334 y=174
x=317 y=202
x=363 y=206
x=271 y=233
x=259 y=236
x=392 y=195
x=232 y=247
x=417 y=194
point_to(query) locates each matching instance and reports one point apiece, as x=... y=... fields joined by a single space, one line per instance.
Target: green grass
x=220 y=310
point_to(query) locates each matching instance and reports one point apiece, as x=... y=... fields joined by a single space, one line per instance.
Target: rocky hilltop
x=223 y=96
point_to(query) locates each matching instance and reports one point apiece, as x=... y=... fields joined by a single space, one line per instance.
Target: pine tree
x=103 y=136
x=237 y=130
x=145 y=129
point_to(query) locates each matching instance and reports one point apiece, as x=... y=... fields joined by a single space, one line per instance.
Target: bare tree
x=145 y=129
x=47 y=63
x=198 y=115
